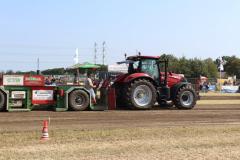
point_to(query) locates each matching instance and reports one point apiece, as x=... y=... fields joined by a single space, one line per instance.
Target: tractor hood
x=174 y=78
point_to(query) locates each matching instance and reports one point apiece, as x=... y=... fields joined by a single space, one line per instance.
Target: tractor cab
x=150 y=65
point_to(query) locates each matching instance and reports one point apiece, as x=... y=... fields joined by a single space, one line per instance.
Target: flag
x=76 y=61
x=221 y=68
x=221 y=62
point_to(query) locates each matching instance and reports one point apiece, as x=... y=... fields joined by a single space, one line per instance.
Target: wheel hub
x=187 y=98
x=79 y=100
x=142 y=95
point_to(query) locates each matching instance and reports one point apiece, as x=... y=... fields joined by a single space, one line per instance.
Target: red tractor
x=148 y=82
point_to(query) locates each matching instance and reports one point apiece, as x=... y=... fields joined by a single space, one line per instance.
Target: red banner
x=43 y=95
x=33 y=80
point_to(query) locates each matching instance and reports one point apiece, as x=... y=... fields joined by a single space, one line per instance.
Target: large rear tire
x=141 y=94
x=185 y=98
x=79 y=100
x=2 y=101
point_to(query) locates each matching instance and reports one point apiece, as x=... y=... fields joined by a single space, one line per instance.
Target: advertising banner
x=230 y=89
x=33 y=80
x=42 y=95
x=13 y=80
x=18 y=95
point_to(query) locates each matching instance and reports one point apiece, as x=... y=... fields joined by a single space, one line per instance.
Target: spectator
x=53 y=81
x=225 y=83
x=205 y=86
x=90 y=87
x=47 y=81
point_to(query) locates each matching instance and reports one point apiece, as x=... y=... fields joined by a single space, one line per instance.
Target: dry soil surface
x=201 y=114
x=206 y=132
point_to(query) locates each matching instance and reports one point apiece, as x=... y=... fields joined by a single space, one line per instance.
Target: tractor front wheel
x=141 y=94
x=185 y=98
x=79 y=100
x=2 y=101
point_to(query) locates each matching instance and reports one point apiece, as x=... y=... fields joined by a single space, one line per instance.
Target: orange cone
x=45 y=135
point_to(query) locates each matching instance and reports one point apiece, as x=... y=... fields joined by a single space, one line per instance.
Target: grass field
x=217 y=102
x=212 y=98
x=219 y=94
x=198 y=142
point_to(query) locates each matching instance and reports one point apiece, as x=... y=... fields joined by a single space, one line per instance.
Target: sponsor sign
x=42 y=95
x=18 y=94
x=13 y=80
x=33 y=80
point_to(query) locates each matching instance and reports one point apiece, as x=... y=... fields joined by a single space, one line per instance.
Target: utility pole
x=95 y=53
x=38 y=70
x=221 y=68
x=103 y=52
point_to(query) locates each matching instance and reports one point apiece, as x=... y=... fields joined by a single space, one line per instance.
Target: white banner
x=13 y=80
x=42 y=95
x=230 y=89
x=118 y=68
x=18 y=94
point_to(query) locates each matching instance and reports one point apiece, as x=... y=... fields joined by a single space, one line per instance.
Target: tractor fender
x=67 y=93
x=136 y=76
x=176 y=87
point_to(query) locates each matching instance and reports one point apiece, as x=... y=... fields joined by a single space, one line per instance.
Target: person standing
x=90 y=87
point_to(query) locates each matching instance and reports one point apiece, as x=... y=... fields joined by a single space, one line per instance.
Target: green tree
x=232 y=66
x=183 y=67
x=54 y=71
x=173 y=61
x=210 y=68
x=9 y=72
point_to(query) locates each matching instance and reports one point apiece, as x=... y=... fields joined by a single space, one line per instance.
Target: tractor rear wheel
x=185 y=98
x=141 y=94
x=2 y=101
x=78 y=100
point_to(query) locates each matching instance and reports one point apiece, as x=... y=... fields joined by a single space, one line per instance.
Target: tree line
x=53 y=71
x=190 y=67
x=196 y=67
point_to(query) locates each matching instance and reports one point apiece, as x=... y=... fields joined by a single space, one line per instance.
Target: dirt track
x=202 y=114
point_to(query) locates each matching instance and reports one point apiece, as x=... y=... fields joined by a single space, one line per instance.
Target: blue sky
x=51 y=30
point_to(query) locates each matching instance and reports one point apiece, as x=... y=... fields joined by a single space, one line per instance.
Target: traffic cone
x=45 y=135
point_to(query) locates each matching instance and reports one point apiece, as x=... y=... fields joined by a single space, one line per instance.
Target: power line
x=95 y=53
x=17 y=46
x=38 y=64
x=103 y=52
x=32 y=61
x=38 y=70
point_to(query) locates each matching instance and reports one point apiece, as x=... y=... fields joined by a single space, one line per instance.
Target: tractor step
x=19 y=110
x=98 y=107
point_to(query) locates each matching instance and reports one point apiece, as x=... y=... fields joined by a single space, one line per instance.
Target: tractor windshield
x=149 y=66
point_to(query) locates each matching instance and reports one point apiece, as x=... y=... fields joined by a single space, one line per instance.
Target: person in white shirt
x=90 y=87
